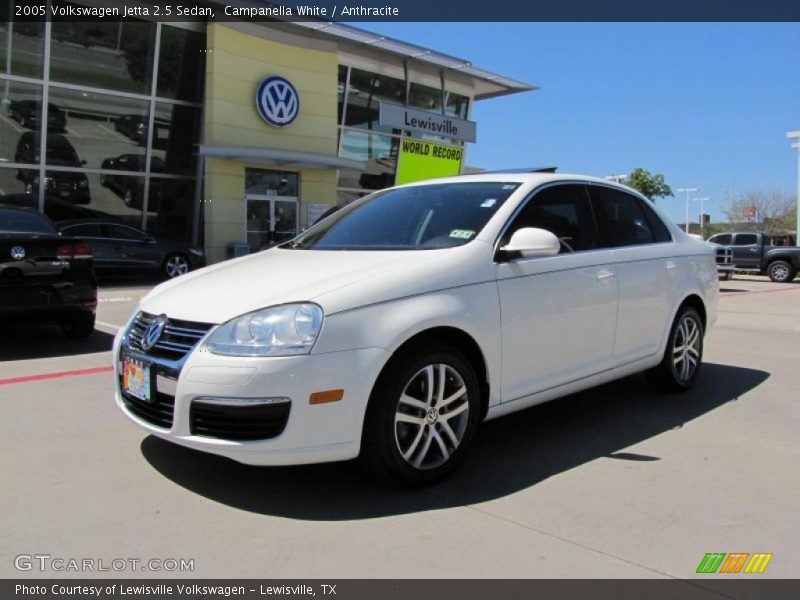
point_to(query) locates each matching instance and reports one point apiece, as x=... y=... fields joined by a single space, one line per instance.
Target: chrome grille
x=176 y=340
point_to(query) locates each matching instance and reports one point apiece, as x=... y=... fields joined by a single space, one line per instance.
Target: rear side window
x=562 y=210
x=745 y=239
x=622 y=220
x=84 y=230
x=18 y=221
x=724 y=239
x=124 y=233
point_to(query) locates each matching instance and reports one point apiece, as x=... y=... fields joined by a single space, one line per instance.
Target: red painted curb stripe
x=55 y=375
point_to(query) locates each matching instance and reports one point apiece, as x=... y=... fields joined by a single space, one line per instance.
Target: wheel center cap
x=432 y=416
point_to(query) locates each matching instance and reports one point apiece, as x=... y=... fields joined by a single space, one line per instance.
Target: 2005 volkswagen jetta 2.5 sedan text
x=392 y=328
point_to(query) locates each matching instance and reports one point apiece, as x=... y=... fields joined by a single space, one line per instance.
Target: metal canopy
x=282 y=158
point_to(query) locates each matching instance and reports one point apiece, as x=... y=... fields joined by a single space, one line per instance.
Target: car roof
x=19 y=208
x=534 y=178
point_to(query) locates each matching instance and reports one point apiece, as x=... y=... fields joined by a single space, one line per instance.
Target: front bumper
x=313 y=433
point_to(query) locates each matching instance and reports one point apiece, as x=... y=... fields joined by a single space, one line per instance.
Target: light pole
x=701 y=200
x=688 y=191
x=795 y=135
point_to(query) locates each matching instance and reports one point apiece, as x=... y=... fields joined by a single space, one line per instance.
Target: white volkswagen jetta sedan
x=393 y=327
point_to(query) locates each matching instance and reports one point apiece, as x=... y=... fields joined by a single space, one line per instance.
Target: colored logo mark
x=735 y=562
x=278 y=101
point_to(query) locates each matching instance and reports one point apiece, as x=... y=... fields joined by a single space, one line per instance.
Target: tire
x=780 y=271
x=678 y=369
x=81 y=327
x=406 y=439
x=175 y=265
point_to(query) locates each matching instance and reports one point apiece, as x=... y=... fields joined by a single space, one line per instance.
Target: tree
x=650 y=185
x=770 y=211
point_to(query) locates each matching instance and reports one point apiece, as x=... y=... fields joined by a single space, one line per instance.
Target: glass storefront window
x=10 y=182
x=21 y=44
x=104 y=54
x=425 y=97
x=120 y=196
x=270 y=183
x=378 y=151
x=456 y=105
x=176 y=131
x=180 y=64
x=169 y=208
x=20 y=107
x=103 y=129
x=366 y=92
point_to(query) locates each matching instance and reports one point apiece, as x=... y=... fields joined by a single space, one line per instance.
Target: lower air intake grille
x=239 y=423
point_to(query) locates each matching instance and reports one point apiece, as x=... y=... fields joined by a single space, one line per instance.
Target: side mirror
x=532 y=241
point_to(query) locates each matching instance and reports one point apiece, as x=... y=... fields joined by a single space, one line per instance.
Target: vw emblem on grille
x=17 y=252
x=278 y=101
x=153 y=332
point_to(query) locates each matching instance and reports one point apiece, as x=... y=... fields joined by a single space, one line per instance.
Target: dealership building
x=226 y=132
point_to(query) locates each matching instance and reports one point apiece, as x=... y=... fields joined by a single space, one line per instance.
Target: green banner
x=426 y=160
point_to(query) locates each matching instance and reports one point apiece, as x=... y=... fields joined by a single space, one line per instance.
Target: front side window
x=562 y=210
x=724 y=239
x=84 y=230
x=124 y=233
x=621 y=219
x=420 y=217
x=745 y=239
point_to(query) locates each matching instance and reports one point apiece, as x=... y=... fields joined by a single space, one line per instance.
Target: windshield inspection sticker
x=489 y=203
x=462 y=234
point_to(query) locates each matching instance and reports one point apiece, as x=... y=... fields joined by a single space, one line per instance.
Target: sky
x=706 y=104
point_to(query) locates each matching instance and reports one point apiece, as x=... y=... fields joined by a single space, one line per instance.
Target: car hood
x=277 y=276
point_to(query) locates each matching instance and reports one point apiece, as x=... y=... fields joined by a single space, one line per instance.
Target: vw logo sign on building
x=153 y=332
x=17 y=252
x=278 y=101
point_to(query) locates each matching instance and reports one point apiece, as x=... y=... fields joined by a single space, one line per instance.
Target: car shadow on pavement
x=40 y=340
x=508 y=455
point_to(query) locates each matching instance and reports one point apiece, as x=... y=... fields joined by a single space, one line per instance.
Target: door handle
x=605 y=275
x=753 y=249
x=671 y=266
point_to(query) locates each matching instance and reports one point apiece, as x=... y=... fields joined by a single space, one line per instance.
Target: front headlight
x=285 y=330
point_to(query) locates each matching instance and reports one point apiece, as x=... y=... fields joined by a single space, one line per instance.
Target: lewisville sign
x=414 y=119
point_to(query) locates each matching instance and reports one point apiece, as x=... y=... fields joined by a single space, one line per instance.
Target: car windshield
x=18 y=221
x=422 y=217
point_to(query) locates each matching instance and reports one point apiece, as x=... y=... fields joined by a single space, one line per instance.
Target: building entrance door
x=270 y=220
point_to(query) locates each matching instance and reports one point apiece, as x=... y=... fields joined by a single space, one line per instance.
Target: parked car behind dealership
x=44 y=276
x=28 y=113
x=394 y=327
x=67 y=185
x=120 y=248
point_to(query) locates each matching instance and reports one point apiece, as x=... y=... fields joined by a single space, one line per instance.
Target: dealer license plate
x=136 y=379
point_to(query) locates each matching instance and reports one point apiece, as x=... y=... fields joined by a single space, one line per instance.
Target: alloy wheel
x=431 y=416
x=779 y=272
x=686 y=348
x=176 y=265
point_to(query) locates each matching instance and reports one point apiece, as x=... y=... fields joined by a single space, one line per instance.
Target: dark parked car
x=28 y=113
x=44 y=276
x=754 y=252
x=55 y=209
x=120 y=247
x=136 y=127
x=130 y=189
x=73 y=187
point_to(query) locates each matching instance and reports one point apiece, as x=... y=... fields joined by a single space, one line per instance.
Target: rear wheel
x=780 y=271
x=683 y=356
x=422 y=416
x=79 y=327
x=175 y=265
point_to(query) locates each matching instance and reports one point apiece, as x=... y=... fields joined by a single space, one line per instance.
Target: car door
x=647 y=270
x=558 y=312
x=133 y=246
x=746 y=251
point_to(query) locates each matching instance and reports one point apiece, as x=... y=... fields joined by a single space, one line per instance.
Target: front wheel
x=175 y=265
x=422 y=416
x=780 y=271
x=683 y=355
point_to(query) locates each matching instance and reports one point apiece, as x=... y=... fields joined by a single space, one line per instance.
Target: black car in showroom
x=70 y=186
x=44 y=275
x=28 y=113
x=131 y=189
x=119 y=248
